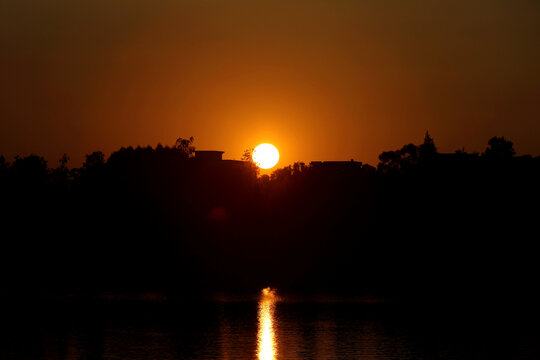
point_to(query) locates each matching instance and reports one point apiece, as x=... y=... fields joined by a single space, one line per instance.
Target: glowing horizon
x=331 y=81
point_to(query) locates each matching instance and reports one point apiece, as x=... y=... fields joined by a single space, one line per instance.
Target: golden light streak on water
x=267 y=345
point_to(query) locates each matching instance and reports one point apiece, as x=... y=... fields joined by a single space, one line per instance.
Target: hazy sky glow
x=321 y=80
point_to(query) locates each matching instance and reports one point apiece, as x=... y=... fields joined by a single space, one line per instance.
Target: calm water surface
x=267 y=327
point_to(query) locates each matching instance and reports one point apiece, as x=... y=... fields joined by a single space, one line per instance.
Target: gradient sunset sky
x=321 y=80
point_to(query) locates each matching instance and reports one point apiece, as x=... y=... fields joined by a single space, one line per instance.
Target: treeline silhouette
x=422 y=224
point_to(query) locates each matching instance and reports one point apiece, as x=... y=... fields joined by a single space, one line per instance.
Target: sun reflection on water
x=267 y=346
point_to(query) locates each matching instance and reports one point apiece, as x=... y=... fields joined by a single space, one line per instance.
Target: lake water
x=263 y=327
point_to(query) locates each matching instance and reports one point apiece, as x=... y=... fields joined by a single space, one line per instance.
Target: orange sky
x=321 y=80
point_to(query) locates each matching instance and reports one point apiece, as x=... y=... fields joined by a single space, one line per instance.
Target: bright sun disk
x=265 y=156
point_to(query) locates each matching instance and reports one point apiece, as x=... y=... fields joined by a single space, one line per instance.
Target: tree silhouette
x=427 y=150
x=248 y=157
x=248 y=154
x=185 y=146
x=30 y=169
x=389 y=161
x=61 y=174
x=404 y=158
x=299 y=167
x=499 y=148
x=63 y=161
x=94 y=160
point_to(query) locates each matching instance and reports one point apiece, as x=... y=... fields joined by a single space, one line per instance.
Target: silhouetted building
x=217 y=156
x=208 y=155
x=236 y=162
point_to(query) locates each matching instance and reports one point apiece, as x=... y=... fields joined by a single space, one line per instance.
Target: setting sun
x=265 y=156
